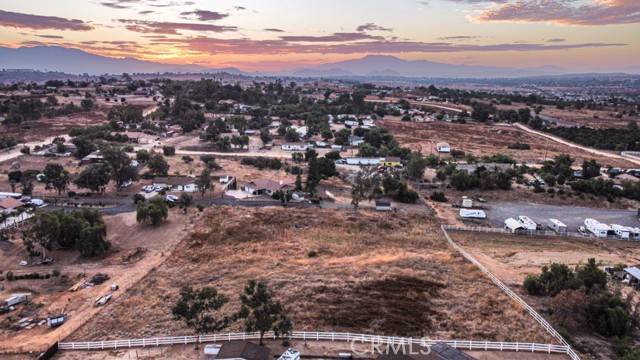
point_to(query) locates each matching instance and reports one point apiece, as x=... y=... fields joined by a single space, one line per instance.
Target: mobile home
x=622 y=232
x=472 y=214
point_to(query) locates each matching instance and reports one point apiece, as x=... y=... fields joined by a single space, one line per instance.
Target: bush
x=312 y=254
x=262 y=163
x=168 y=150
x=438 y=196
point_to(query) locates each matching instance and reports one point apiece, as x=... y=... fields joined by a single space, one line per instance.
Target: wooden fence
x=316 y=336
x=511 y=294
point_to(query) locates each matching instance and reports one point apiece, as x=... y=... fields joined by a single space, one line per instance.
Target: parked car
x=171 y=199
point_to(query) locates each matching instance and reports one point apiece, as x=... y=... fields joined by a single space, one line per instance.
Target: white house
x=295 y=147
x=364 y=161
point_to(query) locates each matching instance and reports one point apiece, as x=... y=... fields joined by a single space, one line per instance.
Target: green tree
x=44 y=232
x=204 y=182
x=197 y=309
x=92 y=241
x=158 y=165
x=262 y=312
x=57 y=177
x=95 y=178
x=84 y=146
x=590 y=169
x=120 y=165
x=153 y=211
x=416 y=166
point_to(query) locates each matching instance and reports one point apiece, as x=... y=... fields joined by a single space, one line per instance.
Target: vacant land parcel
x=334 y=270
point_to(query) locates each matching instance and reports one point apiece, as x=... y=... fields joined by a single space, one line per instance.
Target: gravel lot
x=572 y=216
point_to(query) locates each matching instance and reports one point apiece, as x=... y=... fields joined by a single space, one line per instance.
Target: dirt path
x=576 y=146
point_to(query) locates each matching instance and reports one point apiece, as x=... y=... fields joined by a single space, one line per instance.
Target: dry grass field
x=379 y=273
x=512 y=257
x=481 y=140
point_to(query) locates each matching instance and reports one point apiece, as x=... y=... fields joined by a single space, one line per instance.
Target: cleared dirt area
x=512 y=257
x=380 y=273
x=481 y=140
x=136 y=250
x=39 y=130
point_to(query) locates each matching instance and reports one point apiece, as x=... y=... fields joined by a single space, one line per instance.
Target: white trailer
x=528 y=223
x=512 y=225
x=622 y=232
x=557 y=226
x=472 y=214
x=16 y=299
x=598 y=229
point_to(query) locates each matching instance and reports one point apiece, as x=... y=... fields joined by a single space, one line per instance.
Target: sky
x=273 y=35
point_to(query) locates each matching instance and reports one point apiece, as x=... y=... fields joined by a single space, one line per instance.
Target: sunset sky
x=283 y=34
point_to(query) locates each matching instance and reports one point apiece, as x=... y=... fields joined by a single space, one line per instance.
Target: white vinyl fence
x=316 y=336
x=511 y=294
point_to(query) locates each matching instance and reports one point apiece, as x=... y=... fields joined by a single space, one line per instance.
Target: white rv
x=472 y=214
x=528 y=223
x=622 y=232
x=512 y=225
x=598 y=229
x=557 y=226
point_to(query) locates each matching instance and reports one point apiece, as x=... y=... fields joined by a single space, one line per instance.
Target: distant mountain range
x=384 y=65
x=75 y=61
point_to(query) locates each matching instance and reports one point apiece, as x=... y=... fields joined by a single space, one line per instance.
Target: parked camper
x=528 y=223
x=622 y=232
x=512 y=225
x=16 y=299
x=56 y=320
x=598 y=229
x=557 y=226
x=472 y=214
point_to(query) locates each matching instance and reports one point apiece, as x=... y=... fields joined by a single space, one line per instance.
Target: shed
x=443 y=147
x=245 y=350
x=10 y=204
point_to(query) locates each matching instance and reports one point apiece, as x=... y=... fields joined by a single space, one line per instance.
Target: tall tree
x=120 y=164
x=262 y=312
x=95 y=178
x=204 y=181
x=57 y=177
x=197 y=309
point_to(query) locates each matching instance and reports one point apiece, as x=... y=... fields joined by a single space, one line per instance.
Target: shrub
x=438 y=196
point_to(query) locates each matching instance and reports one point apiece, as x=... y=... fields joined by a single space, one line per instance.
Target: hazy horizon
x=579 y=36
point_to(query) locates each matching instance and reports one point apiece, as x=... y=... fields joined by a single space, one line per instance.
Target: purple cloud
x=336 y=37
x=38 y=22
x=171 y=28
x=205 y=15
x=597 y=12
x=246 y=46
x=372 y=27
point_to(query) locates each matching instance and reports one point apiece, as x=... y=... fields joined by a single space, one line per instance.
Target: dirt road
x=573 y=145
